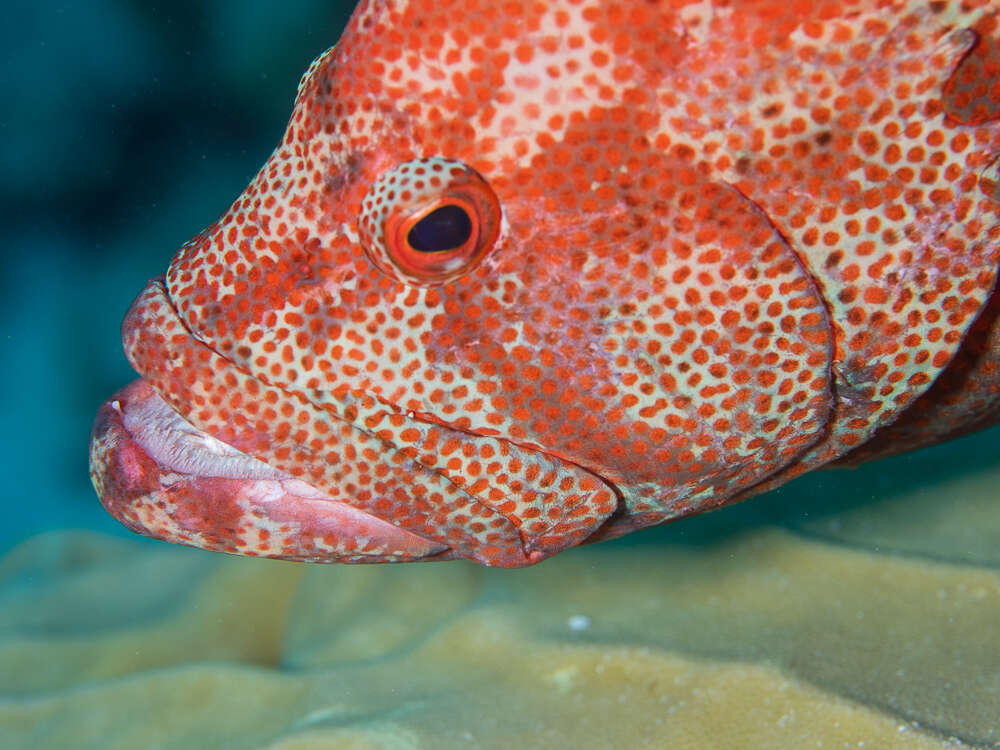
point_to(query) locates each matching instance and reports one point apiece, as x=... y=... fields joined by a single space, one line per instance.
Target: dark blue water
x=127 y=126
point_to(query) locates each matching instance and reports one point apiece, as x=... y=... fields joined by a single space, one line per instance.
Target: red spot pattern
x=722 y=244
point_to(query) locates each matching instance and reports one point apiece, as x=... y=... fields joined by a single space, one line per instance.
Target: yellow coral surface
x=796 y=633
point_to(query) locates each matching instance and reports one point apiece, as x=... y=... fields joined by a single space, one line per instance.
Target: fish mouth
x=162 y=477
x=204 y=453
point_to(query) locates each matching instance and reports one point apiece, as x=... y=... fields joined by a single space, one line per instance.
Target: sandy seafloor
x=852 y=608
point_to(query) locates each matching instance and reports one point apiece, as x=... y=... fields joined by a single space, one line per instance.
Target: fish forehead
x=602 y=128
x=548 y=100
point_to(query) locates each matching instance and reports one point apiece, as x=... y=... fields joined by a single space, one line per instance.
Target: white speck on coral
x=564 y=678
x=578 y=622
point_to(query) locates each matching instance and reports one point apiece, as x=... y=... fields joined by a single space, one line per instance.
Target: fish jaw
x=162 y=477
x=196 y=453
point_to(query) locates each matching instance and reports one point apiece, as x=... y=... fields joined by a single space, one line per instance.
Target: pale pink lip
x=162 y=477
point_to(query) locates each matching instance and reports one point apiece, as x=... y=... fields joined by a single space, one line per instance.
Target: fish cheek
x=668 y=339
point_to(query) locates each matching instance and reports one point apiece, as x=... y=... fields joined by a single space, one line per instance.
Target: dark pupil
x=442 y=229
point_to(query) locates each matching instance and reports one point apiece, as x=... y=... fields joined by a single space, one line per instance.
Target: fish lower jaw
x=164 y=478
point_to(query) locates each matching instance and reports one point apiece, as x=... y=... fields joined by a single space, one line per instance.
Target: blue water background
x=126 y=127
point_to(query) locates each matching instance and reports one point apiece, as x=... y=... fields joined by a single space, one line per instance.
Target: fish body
x=523 y=275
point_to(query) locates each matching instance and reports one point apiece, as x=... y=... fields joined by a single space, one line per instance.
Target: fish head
x=496 y=293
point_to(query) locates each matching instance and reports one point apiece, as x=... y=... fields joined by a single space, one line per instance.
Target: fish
x=521 y=276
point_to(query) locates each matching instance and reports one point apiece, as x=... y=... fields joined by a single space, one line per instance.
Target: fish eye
x=442 y=230
x=429 y=220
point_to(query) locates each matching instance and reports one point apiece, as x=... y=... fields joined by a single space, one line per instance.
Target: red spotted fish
x=524 y=274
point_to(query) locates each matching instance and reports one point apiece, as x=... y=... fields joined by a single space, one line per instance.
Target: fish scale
x=701 y=248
